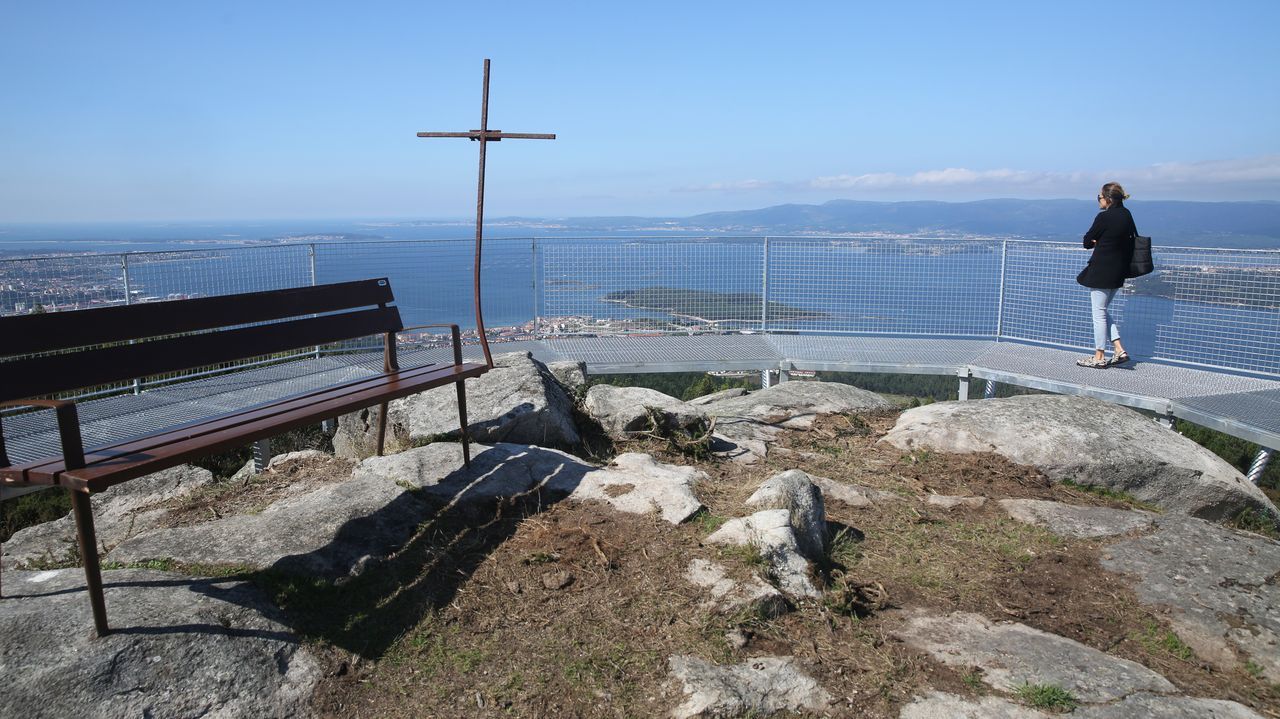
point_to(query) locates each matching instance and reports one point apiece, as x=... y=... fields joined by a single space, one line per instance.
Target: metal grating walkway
x=1247 y=407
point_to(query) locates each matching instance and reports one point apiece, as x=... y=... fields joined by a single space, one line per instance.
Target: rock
x=771 y=533
x=635 y=483
x=182 y=647
x=796 y=404
x=795 y=492
x=328 y=531
x=1069 y=520
x=757 y=687
x=120 y=512
x=854 y=495
x=1090 y=442
x=639 y=484
x=624 y=411
x=571 y=375
x=747 y=423
x=1011 y=655
x=1218 y=585
x=517 y=401
x=940 y=705
x=742 y=440
x=300 y=457
x=717 y=396
x=945 y=502
x=729 y=596
x=1146 y=706
x=557 y=580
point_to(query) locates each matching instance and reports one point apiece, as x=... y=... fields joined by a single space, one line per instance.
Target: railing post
x=128 y=300
x=1004 y=251
x=764 y=290
x=533 y=285
x=311 y=255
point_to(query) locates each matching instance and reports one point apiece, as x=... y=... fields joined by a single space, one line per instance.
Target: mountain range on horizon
x=1253 y=224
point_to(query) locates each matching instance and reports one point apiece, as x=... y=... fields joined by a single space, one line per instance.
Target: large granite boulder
x=340 y=528
x=796 y=404
x=180 y=647
x=1217 y=585
x=746 y=423
x=1090 y=442
x=120 y=512
x=625 y=411
x=517 y=401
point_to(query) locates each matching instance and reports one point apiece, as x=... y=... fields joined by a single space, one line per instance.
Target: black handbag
x=1141 y=264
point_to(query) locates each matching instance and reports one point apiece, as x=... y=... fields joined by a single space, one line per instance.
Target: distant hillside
x=1215 y=224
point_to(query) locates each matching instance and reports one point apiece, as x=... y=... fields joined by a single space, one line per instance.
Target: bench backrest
x=187 y=334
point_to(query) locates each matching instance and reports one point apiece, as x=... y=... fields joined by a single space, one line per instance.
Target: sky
x=260 y=110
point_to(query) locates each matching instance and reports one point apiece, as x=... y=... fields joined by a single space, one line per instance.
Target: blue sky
x=247 y=110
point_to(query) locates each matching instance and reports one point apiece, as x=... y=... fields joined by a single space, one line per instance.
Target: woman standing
x=1111 y=239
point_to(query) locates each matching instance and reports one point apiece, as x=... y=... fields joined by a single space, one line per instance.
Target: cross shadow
x=381 y=574
x=433 y=540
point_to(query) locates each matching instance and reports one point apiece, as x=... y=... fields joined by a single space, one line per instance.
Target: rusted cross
x=485 y=136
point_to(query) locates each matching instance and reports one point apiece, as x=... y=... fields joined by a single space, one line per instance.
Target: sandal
x=1120 y=358
x=1093 y=362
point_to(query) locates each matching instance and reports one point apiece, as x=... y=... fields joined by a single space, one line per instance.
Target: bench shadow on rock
x=439 y=536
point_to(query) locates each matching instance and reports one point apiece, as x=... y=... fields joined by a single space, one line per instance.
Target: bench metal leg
x=261 y=455
x=462 y=421
x=89 y=555
x=382 y=426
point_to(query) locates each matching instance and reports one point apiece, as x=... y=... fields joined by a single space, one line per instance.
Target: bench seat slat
x=47 y=375
x=113 y=465
x=26 y=334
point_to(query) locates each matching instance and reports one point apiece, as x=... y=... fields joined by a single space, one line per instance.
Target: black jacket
x=1111 y=238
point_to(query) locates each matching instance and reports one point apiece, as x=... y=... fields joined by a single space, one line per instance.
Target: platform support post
x=963 y=393
x=1260 y=463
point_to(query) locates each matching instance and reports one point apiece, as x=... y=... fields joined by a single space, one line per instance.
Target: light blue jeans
x=1103 y=324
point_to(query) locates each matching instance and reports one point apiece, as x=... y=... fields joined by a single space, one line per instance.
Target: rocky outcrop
x=181 y=647
x=1011 y=655
x=634 y=483
x=571 y=375
x=119 y=513
x=1069 y=520
x=796 y=404
x=626 y=411
x=796 y=492
x=940 y=705
x=517 y=401
x=1217 y=585
x=746 y=423
x=337 y=529
x=728 y=596
x=1089 y=442
x=790 y=533
x=757 y=687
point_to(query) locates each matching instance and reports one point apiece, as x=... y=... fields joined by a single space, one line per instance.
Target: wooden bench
x=96 y=347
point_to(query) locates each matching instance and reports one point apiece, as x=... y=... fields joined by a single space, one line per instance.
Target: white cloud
x=1246 y=178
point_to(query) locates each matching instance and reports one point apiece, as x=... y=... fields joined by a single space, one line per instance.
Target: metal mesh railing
x=1211 y=307
x=938 y=288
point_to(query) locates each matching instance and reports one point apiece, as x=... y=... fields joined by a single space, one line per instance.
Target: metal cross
x=484 y=135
